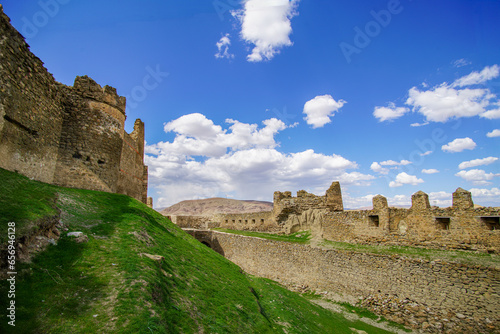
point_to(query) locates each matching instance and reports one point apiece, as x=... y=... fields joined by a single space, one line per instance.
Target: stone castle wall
x=192 y=222
x=31 y=109
x=460 y=226
x=255 y=221
x=424 y=291
x=132 y=179
x=68 y=136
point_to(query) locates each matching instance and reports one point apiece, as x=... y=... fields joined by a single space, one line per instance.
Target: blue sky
x=242 y=98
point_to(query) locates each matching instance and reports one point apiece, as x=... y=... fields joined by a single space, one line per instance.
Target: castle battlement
x=88 y=88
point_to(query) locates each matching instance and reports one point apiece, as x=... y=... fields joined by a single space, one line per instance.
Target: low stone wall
x=254 y=221
x=195 y=222
x=431 y=295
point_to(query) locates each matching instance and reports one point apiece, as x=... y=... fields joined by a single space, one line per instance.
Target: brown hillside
x=211 y=206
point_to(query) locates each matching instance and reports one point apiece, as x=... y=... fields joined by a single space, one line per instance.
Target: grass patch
x=23 y=201
x=301 y=237
x=295 y=314
x=466 y=257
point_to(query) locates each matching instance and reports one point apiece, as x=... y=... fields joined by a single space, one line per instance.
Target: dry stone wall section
x=467 y=296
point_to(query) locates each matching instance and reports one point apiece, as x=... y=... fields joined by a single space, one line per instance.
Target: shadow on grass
x=23 y=201
x=50 y=288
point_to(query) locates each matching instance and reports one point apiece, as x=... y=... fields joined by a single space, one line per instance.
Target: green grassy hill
x=113 y=284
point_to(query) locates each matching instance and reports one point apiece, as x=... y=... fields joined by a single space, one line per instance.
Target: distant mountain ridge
x=210 y=206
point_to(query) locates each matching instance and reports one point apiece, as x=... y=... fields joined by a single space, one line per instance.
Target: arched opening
x=206 y=244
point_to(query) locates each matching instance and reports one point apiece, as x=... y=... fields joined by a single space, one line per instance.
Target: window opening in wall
x=253 y=221
x=239 y=221
x=443 y=223
x=234 y=221
x=246 y=221
x=227 y=221
x=491 y=223
x=262 y=221
x=373 y=221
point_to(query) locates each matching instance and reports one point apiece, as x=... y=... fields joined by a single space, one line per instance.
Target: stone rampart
x=459 y=226
x=255 y=221
x=285 y=205
x=68 y=136
x=448 y=297
x=194 y=222
x=31 y=109
x=132 y=178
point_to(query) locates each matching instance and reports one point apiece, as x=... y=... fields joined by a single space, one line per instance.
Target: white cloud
x=444 y=103
x=319 y=110
x=491 y=114
x=223 y=47
x=389 y=113
x=425 y=153
x=494 y=133
x=485 y=194
x=448 y=101
x=430 y=171
x=357 y=202
x=461 y=63
x=198 y=136
x=475 y=78
x=414 y=125
x=459 y=144
x=477 y=162
x=266 y=24
x=395 y=163
x=377 y=168
x=205 y=160
x=440 y=198
x=477 y=176
x=404 y=178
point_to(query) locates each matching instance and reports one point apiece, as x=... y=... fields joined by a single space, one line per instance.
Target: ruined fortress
x=67 y=136
x=461 y=226
x=75 y=137
x=432 y=295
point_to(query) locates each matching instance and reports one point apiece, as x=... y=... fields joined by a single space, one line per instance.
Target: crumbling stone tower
x=380 y=203
x=91 y=139
x=420 y=201
x=63 y=135
x=462 y=199
x=334 y=197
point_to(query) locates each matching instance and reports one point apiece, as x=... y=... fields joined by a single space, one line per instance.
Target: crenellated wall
x=460 y=226
x=68 y=136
